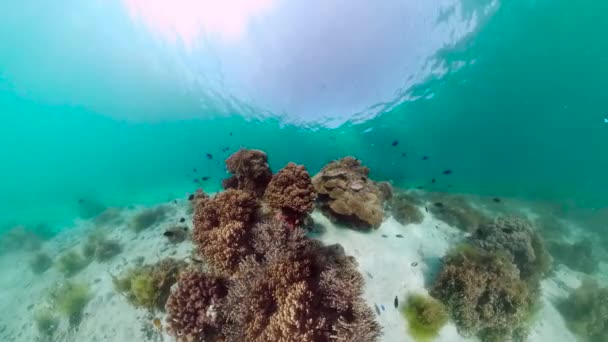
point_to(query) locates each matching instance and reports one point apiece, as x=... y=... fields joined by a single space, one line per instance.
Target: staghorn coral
x=250 y=171
x=193 y=307
x=405 y=210
x=425 y=316
x=518 y=239
x=149 y=286
x=456 y=212
x=586 y=311
x=291 y=192
x=346 y=194
x=483 y=292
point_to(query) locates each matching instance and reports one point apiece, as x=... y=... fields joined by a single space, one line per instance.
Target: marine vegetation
x=149 y=217
x=100 y=248
x=266 y=280
x=404 y=208
x=455 y=211
x=484 y=293
x=425 y=316
x=148 y=286
x=71 y=263
x=109 y=216
x=586 y=311
x=519 y=240
x=40 y=262
x=20 y=238
x=347 y=195
x=577 y=256
x=70 y=299
x=46 y=322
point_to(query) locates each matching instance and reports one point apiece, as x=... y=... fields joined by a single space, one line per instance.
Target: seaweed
x=46 y=322
x=149 y=217
x=100 y=248
x=20 y=238
x=425 y=316
x=405 y=210
x=70 y=299
x=586 y=311
x=148 y=286
x=578 y=256
x=71 y=262
x=40 y=263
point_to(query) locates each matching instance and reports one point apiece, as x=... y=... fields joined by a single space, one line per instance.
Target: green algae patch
x=425 y=317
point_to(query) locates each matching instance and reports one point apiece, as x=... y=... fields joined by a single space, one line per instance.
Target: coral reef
x=578 y=256
x=483 y=292
x=518 y=239
x=148 y=286
x=46 y=322
x=425 y=317
x=346 y=194
x=40 y=263
x=291 y=193
x=586 y=311
x=149 y=217
x=405 y=210
x=177 y=234
x=456 y=212
x=192 y=307
x=71 y=263
x=250 y=171
x=70 y=299
x=98 y=247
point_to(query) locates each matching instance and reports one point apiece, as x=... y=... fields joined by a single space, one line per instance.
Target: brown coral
x=291 y=192
x=348 y=195
x=483 y=292
x=192 y=309
x=228 y=206
x=250 y=171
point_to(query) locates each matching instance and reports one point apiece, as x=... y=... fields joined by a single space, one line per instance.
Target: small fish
x=496 y=199
x=369 y=275
x=438 y=204
x=419 y=187
x=399 y=236
x=80 y=200
x=414 y=264
x=382 y=306
x=384 y=235
x=426 y=209
x=205 y=178
x=332 y=138
x=433 y=180
x=196 y=181
x=169 y=233
x=182 y=220
x=377 y=309
x=209 y=156
x=450 y=185
x=447 y=172
x=404 y=154
x=230 y=133
x=395 y=143
x=191 y=197
x=157 y=323
x=194 y=169
x=425 y=158
x=174 y=201
x=396 y=302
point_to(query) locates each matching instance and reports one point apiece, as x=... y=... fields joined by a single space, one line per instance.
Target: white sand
x=392 y=266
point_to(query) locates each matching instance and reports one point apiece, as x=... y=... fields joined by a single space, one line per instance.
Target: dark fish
x=175 y=201
x=377 y=309
x=414 y=264
x=449 y=185
x=209 y=156
x=169 y=233
x=419 y=188
x=384 y=235
x=205 y=178
x=404 y=154
x=426 y=209
x=191 y=197
x=496 y=199
x=395 y=143
x=369 y=275
x=230 y=133
x=399 y=236
x=80 y=200
x=396 y=302
x=195 y=180
x=447 y=172
x=182 y=220
x=433 y=180
x=332 y=138
x=194 y=169
x=439 y=204
x=382 y=306
x=425 y=158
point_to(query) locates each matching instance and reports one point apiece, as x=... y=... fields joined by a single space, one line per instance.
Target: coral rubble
x=346 y=194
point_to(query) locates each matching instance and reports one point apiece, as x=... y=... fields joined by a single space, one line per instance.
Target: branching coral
x=586 y=311
x=250 y=171
x=347 y=195
x=425 y=316
x=518 y=239
x=483 y=292
x=291 y=192
x=193 y=307
x=405 y=210
x=149 y=286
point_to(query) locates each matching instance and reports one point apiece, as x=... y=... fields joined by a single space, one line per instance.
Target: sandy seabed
x=395 y=260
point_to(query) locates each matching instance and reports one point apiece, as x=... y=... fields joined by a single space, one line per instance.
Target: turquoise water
x=98 y=109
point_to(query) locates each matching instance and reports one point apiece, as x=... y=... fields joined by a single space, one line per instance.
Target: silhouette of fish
x=195 y=180
x=182 y=220
x=377 y=309
x=433 y=180
x=230 y=133
x=425 y=158
x=404 y=154
x=496 y=199
x=395 y=143
x=80 y=200
x=205 y=178
x=399 y=236
x=209 y=156
x=191 y=197
x=396 y=302
x=419 y=187
x=439 y=204
x=194 y=169
x=447 y=172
